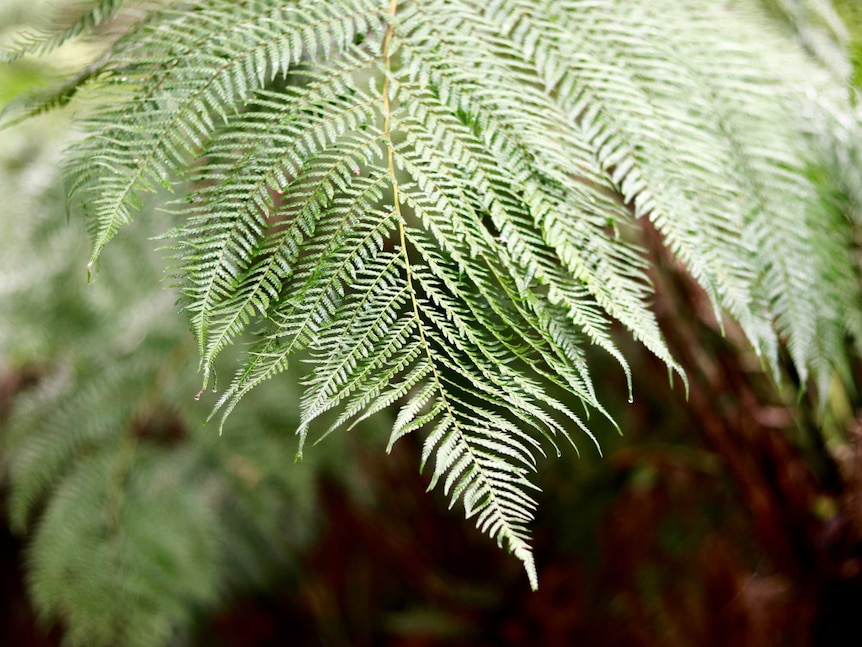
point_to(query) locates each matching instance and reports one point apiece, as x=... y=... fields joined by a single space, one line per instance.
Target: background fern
x=138 y=517
x=439 y=202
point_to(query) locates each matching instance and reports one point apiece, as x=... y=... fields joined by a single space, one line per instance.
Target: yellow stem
x=387 y=132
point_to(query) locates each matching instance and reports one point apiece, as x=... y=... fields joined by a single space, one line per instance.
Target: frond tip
x=426 y=198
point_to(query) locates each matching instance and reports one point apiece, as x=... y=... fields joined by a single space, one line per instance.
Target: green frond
x=90 y=14
x=182 y=77
x=42 y=101
x=439 y=202
x=131 y=530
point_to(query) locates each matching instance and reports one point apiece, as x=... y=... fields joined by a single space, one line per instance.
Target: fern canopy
x=438 y=202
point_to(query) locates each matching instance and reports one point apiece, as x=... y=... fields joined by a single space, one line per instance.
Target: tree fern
x=439 y=202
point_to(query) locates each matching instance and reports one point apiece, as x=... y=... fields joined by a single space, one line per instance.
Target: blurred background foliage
x=732 y=519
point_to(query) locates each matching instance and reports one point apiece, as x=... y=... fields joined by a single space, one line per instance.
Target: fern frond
x=125 y=546
x=181 y=79
x=42 y=101
x=40 y=43
x=438 y=202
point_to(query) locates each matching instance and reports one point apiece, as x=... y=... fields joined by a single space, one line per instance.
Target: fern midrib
x=516 y=544
x=390 y=155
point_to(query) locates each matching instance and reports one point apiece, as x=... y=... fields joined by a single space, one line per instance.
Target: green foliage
x=138 y=521
x=41 y=42
x=439 y=204
x=137 y=516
